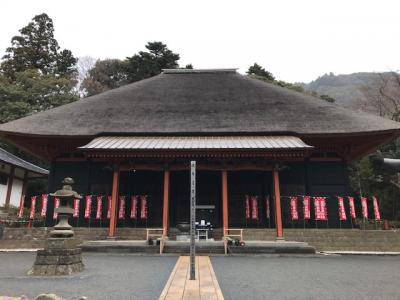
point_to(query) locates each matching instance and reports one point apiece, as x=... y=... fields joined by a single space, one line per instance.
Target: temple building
x=250 y=140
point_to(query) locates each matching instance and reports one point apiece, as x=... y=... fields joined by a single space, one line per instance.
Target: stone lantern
x=61 y=254
x=65 y=210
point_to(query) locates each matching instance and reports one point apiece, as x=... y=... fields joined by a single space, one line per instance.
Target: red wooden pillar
x=9 y=187
x=224 y=200
x=114 y=199
x=23 y=192
x=278 y=210
x=166 y=203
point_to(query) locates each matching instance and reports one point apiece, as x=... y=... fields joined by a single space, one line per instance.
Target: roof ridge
x=199 y=71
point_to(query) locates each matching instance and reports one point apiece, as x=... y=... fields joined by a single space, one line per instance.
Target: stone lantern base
x=61 y=256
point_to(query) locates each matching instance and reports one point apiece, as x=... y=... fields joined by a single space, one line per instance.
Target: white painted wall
x=16 y=192
x=3 y=193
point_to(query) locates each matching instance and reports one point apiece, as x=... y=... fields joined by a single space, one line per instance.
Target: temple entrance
x=254 y=185
x=208 y=200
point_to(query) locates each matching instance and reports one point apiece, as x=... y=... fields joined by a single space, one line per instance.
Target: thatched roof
x=199 y=102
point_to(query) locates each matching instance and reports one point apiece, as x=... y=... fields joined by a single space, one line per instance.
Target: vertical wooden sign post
x=192 y=219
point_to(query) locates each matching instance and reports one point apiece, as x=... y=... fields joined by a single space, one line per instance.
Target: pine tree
x=256 y=69
x=36 y=48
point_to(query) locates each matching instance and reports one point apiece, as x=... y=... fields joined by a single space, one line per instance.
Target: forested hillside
x=360 y=91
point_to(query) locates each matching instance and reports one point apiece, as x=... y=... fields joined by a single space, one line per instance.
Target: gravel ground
x=328 y=277
x=127 y=276
x=106 y=276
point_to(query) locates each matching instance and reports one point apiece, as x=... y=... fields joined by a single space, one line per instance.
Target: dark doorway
x=138 y=183
x=253 y=183
x=208 y=200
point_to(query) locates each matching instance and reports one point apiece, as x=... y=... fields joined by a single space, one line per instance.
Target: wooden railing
x=232 y=233
x=156 y=234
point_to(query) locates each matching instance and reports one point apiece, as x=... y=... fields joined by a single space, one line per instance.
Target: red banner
x=320 y=208
x=267 y=208
x=88 y=206
x=307 y=207
x=294 y=214
x=364 y=207
x=143 y=207
x=76 y=208
x=99 y=207
x=376 y=209
x=254 y=208
x=56 y=205
x=43 y=211
x=342 y=211
x=352 y=208
x=121 y=210
x=247 y=207
x=134 y=203
x=33 y=207
x=21 y=207
x=108 y=207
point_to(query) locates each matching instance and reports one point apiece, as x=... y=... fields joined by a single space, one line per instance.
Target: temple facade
x=255 y=145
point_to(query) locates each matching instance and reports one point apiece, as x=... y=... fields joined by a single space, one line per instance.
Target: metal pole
x=192 y=219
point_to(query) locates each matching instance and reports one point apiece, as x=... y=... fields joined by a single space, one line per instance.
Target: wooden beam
x=212 y=166
x=71 y=159
x=225 y=222
x=114 y=199
x=9 y=187
x=278 y=210
x=325 y=159
x=166 y=203
x=278 y=154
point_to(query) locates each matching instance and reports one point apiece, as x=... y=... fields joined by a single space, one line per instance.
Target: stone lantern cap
x=66 y=191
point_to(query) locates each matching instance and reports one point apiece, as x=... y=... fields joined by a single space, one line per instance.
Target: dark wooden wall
x=297 y=178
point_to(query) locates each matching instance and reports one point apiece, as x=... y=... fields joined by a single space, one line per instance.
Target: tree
x=149 y=63
x=31 y=92
x=35 y=75
x=256 y=69
x=105 y=75
x=327 y=98
x=83 y=66
x=36 y=48
x=384 y=95
x=112 y=73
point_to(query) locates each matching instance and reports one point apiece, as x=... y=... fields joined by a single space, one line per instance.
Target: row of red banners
x=320 y=209
x=135 y=200
x=251 y=208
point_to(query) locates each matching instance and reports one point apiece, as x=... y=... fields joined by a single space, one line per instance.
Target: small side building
x=14 y=176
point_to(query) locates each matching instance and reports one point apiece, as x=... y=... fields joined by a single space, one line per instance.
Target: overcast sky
x=295 y=40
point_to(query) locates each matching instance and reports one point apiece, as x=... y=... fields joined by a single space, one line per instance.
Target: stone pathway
x=204 y=287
